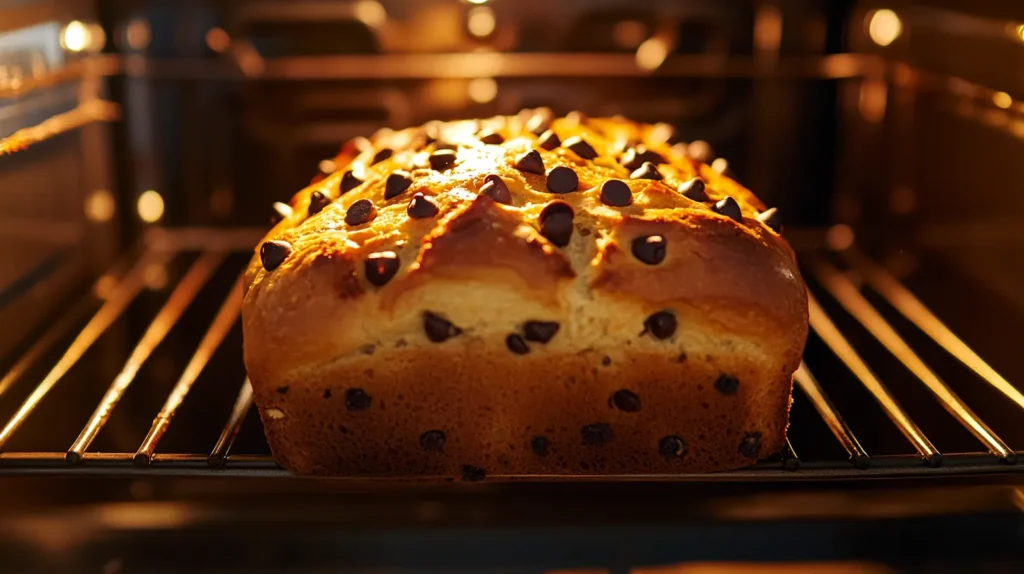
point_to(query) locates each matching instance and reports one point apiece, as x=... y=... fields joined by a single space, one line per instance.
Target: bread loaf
x=523 y=295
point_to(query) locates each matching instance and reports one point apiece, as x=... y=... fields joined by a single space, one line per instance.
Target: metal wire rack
x=211 y=254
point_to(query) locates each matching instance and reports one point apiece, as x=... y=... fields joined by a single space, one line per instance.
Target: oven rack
x=115 y=290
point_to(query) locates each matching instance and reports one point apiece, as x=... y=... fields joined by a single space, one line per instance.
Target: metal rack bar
x=179 y=300
x=844 y=291
x=86 y=113
x=219 y=328
x=810 y=386
x=123 y=294
x=79 y=311
x=494 y=65
x=218 y=456
x=790 y=460
x=913 y=309
x=830 y=334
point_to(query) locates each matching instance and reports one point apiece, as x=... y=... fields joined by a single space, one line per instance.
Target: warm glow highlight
x=137 y=34
x=150 y=206
x=482 y=90
x=218 y=40
x=1002 y=100
x=652 y=53
x=481 y=22
x=76 y=36
x=629 y=33
x=884 y=27
x=370 y=13
x=100 y=206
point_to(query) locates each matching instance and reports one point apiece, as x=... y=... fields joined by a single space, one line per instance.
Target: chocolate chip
x=625 y=400
x=273 y=253
x=282 y=390
x=491 y=138
x=540 y=122
x=282 y=211
x=495 y=188
x=616 y=193
x=382 y=155
x=576 y=117
x=597 y=434
x=442 y=159
x=681 y=358
x=381 y=267
x=317 y=202
x=647 y=171
x=772 y=219
x=727 y=384
x=349 y=181
x=540 y=331
x=549 y=140
x=540 y=445
x=700 y=150
x=327 y=393
x=673 y=447
x=750 y=447
x=637 y=156
x=729 y=208
x=694 y=189
x=650 y=249
x=661 y=324
x=580 y=147
x=431 y=133
x=516 y=344
x=357 y=400
x=661 y=133
x=439 y=329
x=397 y=182
x=556 y=223
x=433 y=441
x=721 y=166
x=421 y=207
x=562 y=179
x=530 y=162
x=360 y=212
x=472 y=473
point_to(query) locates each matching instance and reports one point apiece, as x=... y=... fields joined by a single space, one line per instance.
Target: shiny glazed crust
x=349 y=380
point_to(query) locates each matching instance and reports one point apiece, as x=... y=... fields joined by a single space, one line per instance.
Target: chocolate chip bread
x=523 y=295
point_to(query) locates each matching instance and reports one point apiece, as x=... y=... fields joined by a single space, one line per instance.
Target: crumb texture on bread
x=523 y=294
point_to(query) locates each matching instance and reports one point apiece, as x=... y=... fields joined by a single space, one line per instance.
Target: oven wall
x=232 y=132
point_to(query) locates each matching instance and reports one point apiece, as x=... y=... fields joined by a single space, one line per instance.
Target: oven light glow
x=218 y=40
x=629 y=33
x=100 y=206
x=1002 y=100
x=481 y=22
x=839 y=237
x=137 y=34
x=652 y=53
x=477 y=1
x=482 y=90
x=884 y=27
x=76 y=36
x=150 y=206
x=370 y=12
x=1019 y=32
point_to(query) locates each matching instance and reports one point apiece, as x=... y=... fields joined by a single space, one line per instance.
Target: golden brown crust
x=324 y=319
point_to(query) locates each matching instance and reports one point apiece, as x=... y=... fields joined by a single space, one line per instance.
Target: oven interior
x=144 y=142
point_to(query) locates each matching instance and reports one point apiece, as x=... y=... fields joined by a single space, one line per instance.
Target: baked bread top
x=531 y=233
